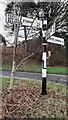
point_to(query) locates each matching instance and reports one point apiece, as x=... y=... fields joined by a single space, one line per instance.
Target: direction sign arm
x=31 y=26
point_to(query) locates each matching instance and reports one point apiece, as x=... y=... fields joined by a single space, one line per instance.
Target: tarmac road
x=56 y=78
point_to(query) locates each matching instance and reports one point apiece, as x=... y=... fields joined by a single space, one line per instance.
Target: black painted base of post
x=44 y=92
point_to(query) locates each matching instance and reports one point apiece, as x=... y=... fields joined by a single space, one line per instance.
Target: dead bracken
x=27 y=101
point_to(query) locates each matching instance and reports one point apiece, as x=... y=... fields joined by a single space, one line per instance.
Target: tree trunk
x=13 y=68
x=16 y=30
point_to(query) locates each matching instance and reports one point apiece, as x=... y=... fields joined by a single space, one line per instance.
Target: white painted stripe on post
x=43 y=73
x=45 y=22
x=44 y=44
x=44 y=56
x=44 y=59
x=44 y=65
x=43 y=32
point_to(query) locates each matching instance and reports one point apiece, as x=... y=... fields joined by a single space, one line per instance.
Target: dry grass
x=27 y=102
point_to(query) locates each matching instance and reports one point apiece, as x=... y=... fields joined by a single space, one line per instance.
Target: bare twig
x=27 y=58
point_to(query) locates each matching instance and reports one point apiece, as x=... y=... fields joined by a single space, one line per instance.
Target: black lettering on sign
x=57 y=40
x=27 y=21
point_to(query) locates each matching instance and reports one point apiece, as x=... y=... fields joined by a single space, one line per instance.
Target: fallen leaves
x=27 y=102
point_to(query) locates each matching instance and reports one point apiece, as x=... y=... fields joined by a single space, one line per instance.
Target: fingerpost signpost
x=47 y=37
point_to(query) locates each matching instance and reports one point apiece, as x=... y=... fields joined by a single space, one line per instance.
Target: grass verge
x=38 y=68
x=57 y=70
x=27 y=102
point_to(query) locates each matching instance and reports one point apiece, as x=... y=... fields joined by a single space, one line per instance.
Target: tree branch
x=27 y=57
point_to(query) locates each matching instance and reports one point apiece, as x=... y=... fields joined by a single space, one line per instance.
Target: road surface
x=56 y=78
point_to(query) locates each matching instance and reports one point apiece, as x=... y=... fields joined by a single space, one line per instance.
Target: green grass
x=7 y=66
x=0 y=66
x=58 y=70
x=31 y=68
x=37 y=68
x=5 y=82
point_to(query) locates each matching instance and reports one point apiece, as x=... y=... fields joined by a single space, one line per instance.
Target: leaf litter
x=27 y=101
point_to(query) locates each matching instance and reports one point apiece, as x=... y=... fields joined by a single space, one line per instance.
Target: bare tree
x=54 y=15
x=16 y=30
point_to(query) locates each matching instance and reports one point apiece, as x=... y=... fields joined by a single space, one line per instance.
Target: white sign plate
x=56 y=40
x=50 y=32
x=28 y=22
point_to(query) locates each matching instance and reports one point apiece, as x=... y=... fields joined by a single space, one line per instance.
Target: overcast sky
x=2 y=8
x=2 y=16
